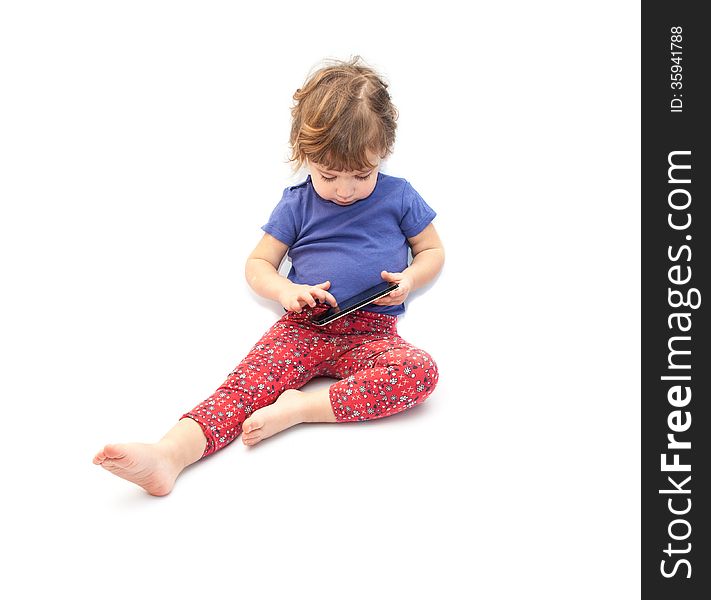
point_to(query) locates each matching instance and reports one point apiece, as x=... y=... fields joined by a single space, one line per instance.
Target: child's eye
x=357 y=177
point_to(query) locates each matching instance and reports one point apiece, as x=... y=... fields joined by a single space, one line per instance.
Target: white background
x=142 y=146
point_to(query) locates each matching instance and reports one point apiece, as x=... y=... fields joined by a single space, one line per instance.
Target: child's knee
x=419 y=366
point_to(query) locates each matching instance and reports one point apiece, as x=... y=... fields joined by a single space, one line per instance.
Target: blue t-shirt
x=349 y=245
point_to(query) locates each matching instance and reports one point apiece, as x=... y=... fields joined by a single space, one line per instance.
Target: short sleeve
x=416 y=213
x=282 y=223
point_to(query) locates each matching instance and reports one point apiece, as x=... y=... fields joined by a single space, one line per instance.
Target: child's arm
x=427 y=261
x=261 y=271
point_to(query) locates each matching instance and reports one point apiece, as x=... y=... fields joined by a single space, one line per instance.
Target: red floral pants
x=379 y=373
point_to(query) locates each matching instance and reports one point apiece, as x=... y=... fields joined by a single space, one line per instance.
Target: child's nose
x=345 y=192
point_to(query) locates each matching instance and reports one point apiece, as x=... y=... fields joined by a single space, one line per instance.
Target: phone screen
x=355 y=302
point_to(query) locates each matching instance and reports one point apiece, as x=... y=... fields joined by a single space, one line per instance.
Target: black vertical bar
x=676 y=362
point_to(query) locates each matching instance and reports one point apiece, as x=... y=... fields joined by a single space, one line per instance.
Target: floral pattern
x=379 y=373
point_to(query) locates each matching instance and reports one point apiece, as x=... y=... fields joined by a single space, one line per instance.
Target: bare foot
x=149 y=465
x=265 y=422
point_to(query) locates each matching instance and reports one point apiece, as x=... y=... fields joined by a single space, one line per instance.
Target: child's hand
x=397 y=296
x=296 y=296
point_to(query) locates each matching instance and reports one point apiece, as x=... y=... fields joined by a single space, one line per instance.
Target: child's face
x=343 y=187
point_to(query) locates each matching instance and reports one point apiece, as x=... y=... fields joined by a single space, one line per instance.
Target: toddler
x=346 y=228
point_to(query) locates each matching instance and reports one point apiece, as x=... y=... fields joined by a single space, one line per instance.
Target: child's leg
x=286 y=357
x=382 y=378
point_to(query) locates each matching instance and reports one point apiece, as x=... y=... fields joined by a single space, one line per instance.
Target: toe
x=254 y=422
x=114 y=451
x=251 y=441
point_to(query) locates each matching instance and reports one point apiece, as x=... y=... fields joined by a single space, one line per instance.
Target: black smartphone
x=354 y=303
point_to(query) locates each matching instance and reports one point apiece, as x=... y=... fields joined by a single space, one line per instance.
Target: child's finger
x=331 y=299
x=326 y=297
x=304 y=298
x=309 y=299
x=393 y=298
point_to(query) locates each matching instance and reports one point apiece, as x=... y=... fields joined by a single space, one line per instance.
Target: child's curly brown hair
x=343 y=111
